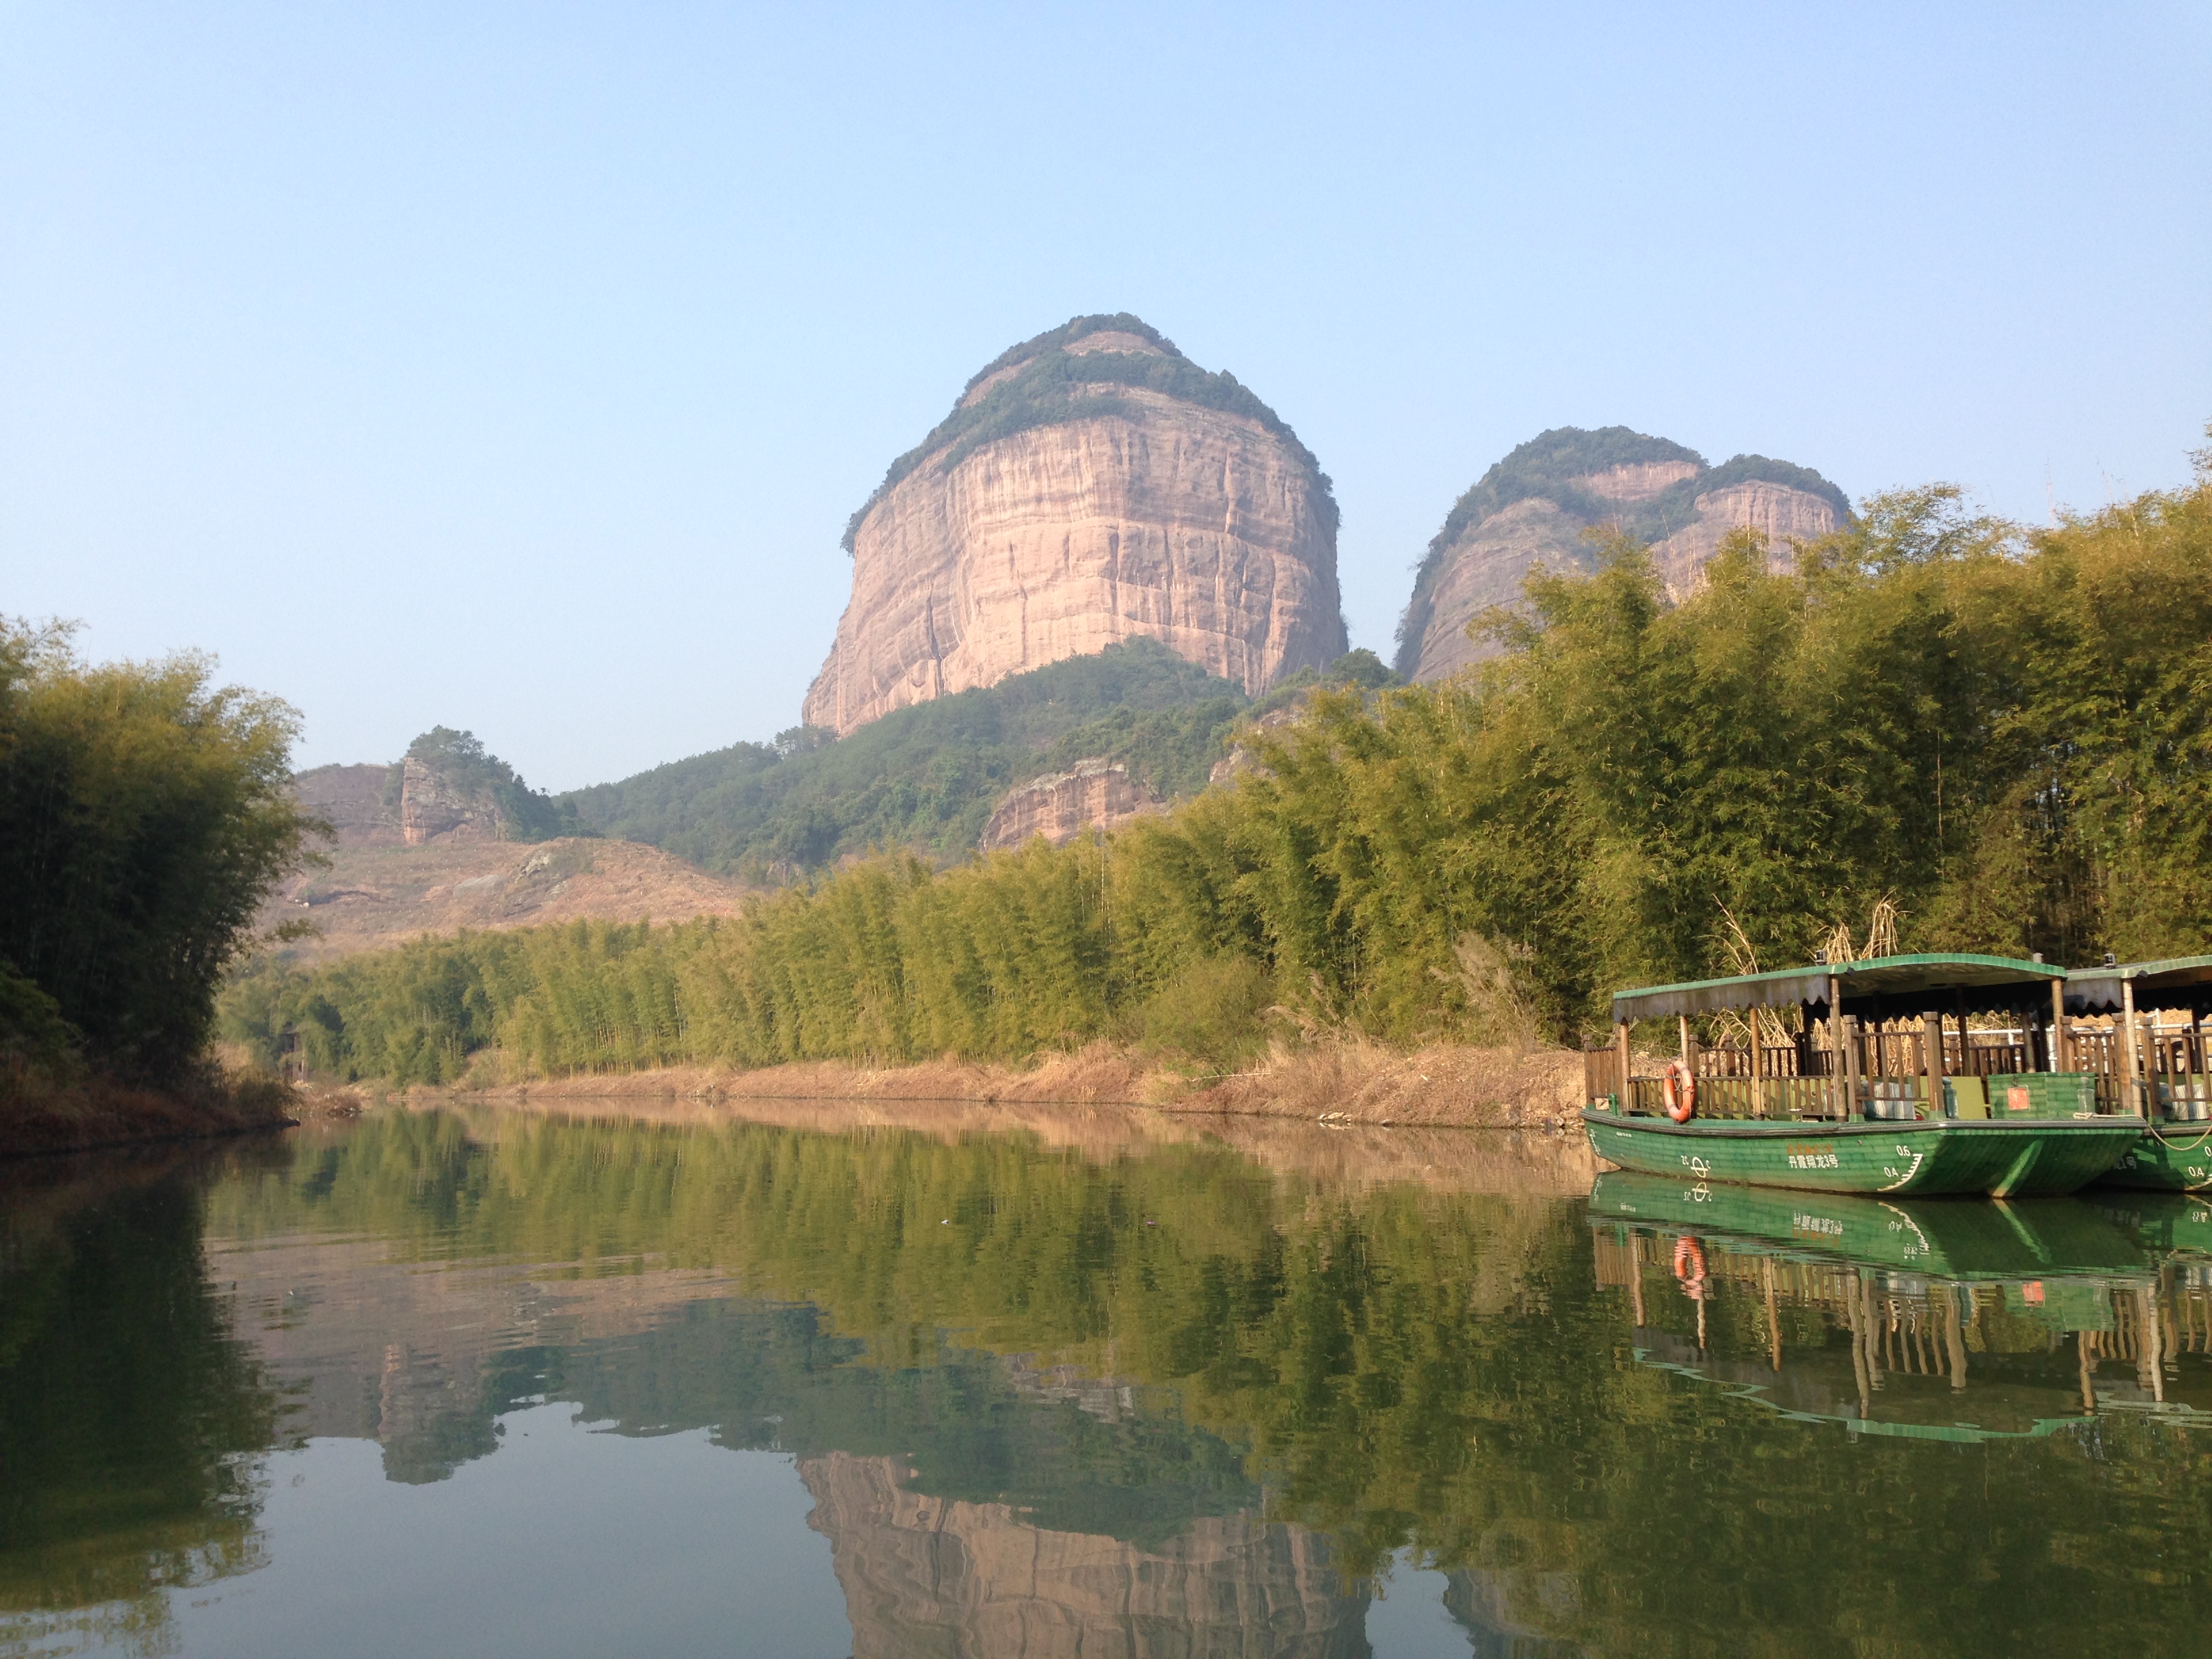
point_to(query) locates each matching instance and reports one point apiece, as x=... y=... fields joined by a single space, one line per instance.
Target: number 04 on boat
x=1923 y=1074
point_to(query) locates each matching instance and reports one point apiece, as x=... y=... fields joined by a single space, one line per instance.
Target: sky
x=517 y=368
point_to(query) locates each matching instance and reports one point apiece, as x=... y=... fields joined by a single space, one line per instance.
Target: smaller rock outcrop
x=1096 y=794
x=1539 y=505
x=434 y=806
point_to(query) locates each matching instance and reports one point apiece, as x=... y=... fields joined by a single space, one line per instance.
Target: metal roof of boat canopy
x=2175 y=982
x=1882 y=988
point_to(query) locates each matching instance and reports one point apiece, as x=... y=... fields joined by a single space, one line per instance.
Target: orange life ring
x=1689 y=1261
x=1679 y=1089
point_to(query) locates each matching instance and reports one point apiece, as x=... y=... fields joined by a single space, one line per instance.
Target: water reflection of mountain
x=1173 y=1363
x=926 y=1576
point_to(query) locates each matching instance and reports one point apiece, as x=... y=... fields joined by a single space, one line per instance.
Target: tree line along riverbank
x=2001 y=732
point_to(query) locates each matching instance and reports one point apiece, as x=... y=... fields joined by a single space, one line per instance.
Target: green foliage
x=2009 y=736
x=928 y=776
x=1546 y=467
x=1053 y=386
x=144 y=814
x=1212 y=1010
x=33 y=1035
x=131 y=1414
x=460 y=758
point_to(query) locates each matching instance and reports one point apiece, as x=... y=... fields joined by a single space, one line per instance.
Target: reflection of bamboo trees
x=127 y=1415
x=1405 y=1367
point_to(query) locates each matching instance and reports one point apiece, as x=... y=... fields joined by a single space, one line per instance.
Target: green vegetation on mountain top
x=1055 y=386
x=1547 y=466
x=928 y=777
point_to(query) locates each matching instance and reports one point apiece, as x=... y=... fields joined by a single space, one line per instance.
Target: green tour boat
x=2142 y=1033
x=1919 y=1075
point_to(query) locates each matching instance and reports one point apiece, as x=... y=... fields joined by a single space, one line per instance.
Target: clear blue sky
x=516 y=367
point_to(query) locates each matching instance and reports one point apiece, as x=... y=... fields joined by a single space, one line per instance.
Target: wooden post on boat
x=2131 y=1098
x=1761 y=1096
x=1837 y=1085
x=1620 y=1058
x=2061 y=1057
x=1850 y=1068
x=1931 y=1057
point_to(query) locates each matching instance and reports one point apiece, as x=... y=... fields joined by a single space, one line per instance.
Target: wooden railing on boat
x=1793 y=1080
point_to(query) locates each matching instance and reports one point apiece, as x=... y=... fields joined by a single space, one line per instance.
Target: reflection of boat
x=2148 y=1066
x=1922 y=1320
x=2176 y=1225
x=2049 y=1237
x=1882 y=1084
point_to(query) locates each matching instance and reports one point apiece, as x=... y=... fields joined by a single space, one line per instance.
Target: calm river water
x=834 y=1381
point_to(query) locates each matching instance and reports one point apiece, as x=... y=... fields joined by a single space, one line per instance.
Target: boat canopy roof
x=2174 y=982
x=1880 y=988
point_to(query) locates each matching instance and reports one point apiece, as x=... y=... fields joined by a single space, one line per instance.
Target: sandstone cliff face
x=927 y=1577
x=355 y=801
x=433 y=808
x=1097 y=794
x=1534 y=507
x=1109 y=507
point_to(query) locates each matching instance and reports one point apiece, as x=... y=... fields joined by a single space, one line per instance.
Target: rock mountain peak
x=1089 y=484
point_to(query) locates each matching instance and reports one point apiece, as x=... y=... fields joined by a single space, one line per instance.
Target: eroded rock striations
x=1091 y=485
x=1096 y=794
x=1536 y=505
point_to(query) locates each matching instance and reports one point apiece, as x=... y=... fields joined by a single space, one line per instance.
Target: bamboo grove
x=2006 y=733
x=145 y=813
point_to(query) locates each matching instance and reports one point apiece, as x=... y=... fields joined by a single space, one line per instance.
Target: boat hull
x=1944 y=1156
x=2178 y=1160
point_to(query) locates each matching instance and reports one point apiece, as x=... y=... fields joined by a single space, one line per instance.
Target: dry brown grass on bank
x=1351 y=1081
x=40 y=1114
x=1341 y=1081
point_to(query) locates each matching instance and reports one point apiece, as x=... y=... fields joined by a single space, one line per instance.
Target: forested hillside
x=2006 y=733
x=924 y=778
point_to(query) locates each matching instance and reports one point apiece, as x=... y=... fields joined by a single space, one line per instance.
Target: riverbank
x=1347 y=1082
x=38 y=1117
